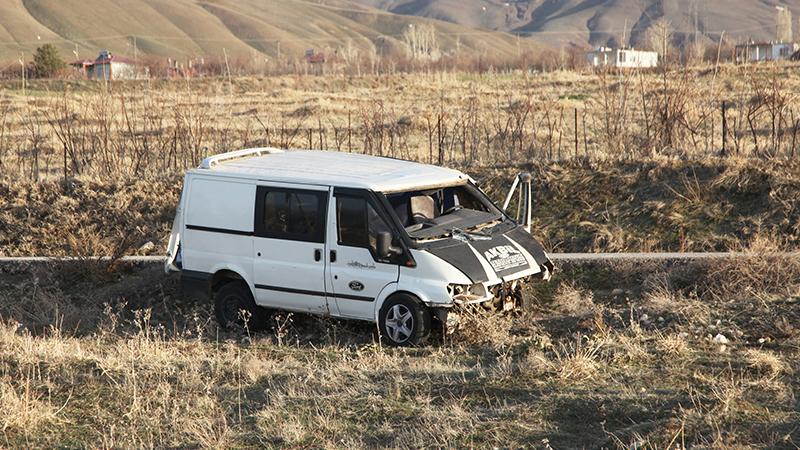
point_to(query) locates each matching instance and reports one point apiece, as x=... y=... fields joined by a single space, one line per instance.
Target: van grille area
x=506 y=296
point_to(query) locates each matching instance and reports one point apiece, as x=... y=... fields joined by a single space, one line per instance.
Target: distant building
x=765 y=51
x=623 y=58
x=112 y=67
x=82 y=65
x=312 y=57
x=107 y=67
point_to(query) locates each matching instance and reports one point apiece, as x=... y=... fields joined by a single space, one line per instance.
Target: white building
x=111 y=67
x=765 y=51
x=624 y=58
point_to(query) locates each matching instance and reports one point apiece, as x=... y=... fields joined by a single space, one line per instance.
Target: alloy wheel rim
x=399 y=323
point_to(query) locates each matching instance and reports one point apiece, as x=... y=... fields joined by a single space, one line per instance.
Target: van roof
x=331 y=168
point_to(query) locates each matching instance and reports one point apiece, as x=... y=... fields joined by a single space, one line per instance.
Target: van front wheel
x=404 y=321
x=235 y=308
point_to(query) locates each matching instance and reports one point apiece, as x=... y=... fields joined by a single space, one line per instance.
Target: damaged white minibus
x=347 y=235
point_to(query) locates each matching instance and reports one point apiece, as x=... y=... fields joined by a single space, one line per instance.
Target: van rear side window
x=291 y=214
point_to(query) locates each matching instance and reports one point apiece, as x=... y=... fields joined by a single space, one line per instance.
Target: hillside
x=601 y=22
x=244 y=29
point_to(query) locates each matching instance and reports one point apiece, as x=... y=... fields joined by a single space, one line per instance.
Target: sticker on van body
x=504 y=257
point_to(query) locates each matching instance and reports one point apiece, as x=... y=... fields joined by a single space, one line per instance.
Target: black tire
x=233 y=303
x=409 y=321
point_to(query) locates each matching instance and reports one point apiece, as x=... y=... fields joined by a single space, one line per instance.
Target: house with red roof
x=107 y=67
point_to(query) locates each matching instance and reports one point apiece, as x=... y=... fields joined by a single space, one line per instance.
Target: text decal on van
x=504 y=257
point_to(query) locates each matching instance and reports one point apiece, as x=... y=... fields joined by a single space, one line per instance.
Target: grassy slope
x=643 y=206
x=193 y=27
x=603 y=356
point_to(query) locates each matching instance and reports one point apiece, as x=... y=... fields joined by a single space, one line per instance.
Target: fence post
x=576 y=133
x=724 y=129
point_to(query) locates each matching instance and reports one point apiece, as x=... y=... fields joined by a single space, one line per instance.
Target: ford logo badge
x=356 y=285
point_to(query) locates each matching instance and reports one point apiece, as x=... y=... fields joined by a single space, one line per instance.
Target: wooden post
x=439 y=137
x=576 y=133
x=319 y=124
x=724 y=129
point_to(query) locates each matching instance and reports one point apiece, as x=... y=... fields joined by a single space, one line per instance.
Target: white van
x=347 y=235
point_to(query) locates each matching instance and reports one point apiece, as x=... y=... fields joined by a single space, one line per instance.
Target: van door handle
x=333 y=255
x=317 y=254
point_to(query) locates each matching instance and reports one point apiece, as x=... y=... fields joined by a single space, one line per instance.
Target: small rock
x=617 y=291
x=644 y=318
x=721 y=339
x=147 y=247
x=660 y=319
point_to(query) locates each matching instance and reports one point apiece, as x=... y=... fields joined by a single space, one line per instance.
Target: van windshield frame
x=469 y=210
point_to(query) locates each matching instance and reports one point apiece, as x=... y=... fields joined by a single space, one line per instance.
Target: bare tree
x=659 y=37
x=421 y=42
x=783 y=25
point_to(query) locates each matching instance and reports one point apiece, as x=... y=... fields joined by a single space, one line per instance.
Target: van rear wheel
x=235 y=308
x=404 y=321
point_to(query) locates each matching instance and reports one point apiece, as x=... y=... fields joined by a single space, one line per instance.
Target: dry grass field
x=621 y=162
x=147 y=128
x=656 y=355
x=646 y=355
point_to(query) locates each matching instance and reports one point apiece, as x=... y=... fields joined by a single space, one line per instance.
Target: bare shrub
x=479 y=326
x=24 y=408
x=768 y=363
x=763 y=272
x=576 y=361
x=673 y=346
x=573 y=299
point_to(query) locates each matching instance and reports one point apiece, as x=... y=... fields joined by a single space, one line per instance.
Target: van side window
x=358 y=224
x=291 y=214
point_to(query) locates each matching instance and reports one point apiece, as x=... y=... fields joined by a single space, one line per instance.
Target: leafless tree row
x=629 y=116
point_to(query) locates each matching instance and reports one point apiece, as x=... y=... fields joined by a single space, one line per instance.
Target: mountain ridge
x=605 y=22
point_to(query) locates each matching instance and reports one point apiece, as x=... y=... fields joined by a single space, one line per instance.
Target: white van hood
x=503 y=255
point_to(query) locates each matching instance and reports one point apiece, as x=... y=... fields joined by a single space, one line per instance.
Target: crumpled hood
x=499 y=256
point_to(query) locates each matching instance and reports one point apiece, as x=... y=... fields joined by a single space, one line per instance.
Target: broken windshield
x=441 y=211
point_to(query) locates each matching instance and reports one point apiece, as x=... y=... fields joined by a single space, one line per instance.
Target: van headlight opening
x=466 y=293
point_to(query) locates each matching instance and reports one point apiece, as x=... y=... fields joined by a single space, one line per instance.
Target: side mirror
x=384 y=245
